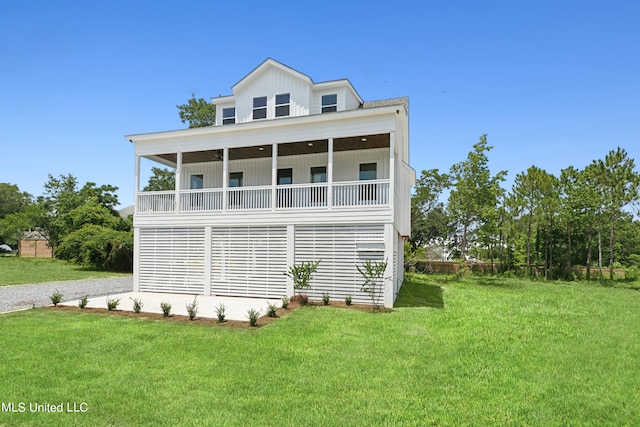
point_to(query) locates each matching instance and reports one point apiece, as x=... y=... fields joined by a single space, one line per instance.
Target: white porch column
x=388 y=274
x=330 y=174
x=274 y=174
x=291 y=256
x=137 y=185
x=178 y=178
x=207 y=260
x=225 y=178
x=136 y=259
x=392 y=172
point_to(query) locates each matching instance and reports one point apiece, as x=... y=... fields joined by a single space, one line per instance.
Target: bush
x=373 y=275
x=137 y=304
x=166 y=308
x=192 y=308
x=348 y=299
x=301 y=274
x=253 y=315
x=325 y=298
x=83 y=301
x=98 y=247
x=285 y=302
x=220 y=312
x=271 y=310
x=112 y=303
x=56 y=297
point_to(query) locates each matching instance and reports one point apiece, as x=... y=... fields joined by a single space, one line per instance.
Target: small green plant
x=137 y=304
x=271 y=310
x=373 y=275
x=348 y=299
x=325 y=298
x=253 y=315
x=166 y=308
x=192 y=308
x=220 y=312
x=112 y=303
x=83 y=301
x=285 y=302
x=56 y=297
x=301 y=274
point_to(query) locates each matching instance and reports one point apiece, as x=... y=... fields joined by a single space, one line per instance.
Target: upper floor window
x=260 y=108
x=329 y=103
x=228 y=115
x=282 y=105
x=368 y=171
x=196 y=182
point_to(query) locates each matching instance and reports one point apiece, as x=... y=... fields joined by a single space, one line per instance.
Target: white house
x=292 y=171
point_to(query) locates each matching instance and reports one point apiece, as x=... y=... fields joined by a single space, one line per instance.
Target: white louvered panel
x=249 y=261
x=172 y=260
x=340 y=248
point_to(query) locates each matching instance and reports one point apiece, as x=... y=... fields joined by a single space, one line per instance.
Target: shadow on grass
x=415 y=294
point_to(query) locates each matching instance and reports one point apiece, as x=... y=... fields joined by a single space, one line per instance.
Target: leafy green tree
x=13 y=200
x=620 y=185
x=99 y=247
x=161 y=180
x=197 y=112
x=474 y=191
x=428 y=217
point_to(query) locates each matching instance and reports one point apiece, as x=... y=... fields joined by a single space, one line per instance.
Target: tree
x=161 y=180
x=198 y=112
x=619 y=183
x=474 y=191
x=428 y=221
x=13 y=200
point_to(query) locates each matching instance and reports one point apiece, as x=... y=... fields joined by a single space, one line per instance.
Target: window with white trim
x=228 y=115
x=329 y=103
x=260 y=108
x=283 y=104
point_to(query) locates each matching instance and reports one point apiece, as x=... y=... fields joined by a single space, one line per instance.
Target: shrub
x=83 y=301
x=98 y=247
x=166 y=308
x=301 y=274
x=112 y=303
x=253 y=315
x=285 y=302
x=220 y=312
x=192 y=308
x=325 y=298
x=56 y=297
x=137 y=304
x=271 y=310
x=348 y=299
x=373 y=275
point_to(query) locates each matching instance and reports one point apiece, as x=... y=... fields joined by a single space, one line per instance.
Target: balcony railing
x=297 y=196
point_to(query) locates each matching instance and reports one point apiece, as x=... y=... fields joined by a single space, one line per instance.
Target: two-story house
x=292 y=171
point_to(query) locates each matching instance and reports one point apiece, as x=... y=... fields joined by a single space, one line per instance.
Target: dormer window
x=282 y=105
x=228 y=116
x=329 y=103
x=260 y=108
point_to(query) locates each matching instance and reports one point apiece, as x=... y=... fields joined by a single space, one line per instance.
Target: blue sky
x=552 y=83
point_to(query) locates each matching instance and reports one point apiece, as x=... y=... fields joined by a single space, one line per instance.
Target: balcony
x=262 y=198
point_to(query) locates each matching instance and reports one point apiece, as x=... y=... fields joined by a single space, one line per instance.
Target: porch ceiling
x=362 y=142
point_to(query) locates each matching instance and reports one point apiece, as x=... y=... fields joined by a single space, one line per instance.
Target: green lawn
x=498 y=352
x=18 y=271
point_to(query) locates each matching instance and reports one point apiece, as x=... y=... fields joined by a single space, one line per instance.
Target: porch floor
x=236 y=307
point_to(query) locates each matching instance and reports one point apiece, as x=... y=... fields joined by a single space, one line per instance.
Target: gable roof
x=266 y=64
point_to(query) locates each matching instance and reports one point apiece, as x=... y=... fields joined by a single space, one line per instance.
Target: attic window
x=329 y=103
x=228 y=116
x=282 y=105
x=260 y=108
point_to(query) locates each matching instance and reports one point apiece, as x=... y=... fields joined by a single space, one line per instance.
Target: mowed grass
x=18 y=271
x=499 y=352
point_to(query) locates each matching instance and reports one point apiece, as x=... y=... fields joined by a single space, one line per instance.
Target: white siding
x=271 y=82
x=249 y=261
x=171 y=260
x=339 y=248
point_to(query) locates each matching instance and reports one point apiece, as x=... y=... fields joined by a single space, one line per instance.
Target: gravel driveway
x=19 y=297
